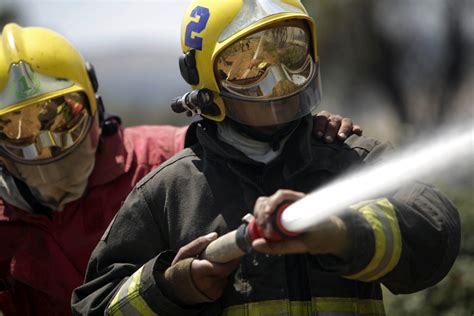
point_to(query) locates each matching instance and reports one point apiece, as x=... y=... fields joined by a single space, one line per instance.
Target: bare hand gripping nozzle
x=237 y=243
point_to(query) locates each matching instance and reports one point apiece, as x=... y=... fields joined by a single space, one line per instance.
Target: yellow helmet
x=54 y=66
x=47 y=95
x=253 y=55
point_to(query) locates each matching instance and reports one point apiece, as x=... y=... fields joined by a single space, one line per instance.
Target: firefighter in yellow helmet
x=65 y=168
x=254 y=69
x=47 y=110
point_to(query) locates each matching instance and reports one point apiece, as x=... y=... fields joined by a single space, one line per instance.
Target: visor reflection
x=254 y=112
x=45 y=129
x=258 y=64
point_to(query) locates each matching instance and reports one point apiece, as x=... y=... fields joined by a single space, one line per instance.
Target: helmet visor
x=45 y=131
x=269 y=64
x=258 y=112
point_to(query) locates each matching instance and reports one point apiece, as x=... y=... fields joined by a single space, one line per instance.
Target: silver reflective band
x=256 y=10
x=269 y=112
x=274 y=75
x=24 y=83
x=47 y=139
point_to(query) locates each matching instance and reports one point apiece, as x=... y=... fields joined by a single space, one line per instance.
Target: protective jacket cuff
x=361 y=248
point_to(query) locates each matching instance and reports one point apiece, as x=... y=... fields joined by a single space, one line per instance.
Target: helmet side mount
x=196 y=102
x=188 y=68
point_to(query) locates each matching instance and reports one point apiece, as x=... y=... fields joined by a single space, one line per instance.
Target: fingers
x=356 y=129
x=262 y=211
x=265 y=206
x=279 y=247
x=320 y=122
x=212 y=269
x=330 y=127
x=283 y=195
x=345 y=129
x=211 y=278
x=327 y=126
x=195 y=247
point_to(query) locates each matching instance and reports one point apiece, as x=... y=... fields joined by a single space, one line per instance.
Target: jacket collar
x=296 y=155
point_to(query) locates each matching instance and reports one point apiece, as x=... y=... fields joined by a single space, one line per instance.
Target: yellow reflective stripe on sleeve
x=377 y=227
x=135 y=298
x=277 y=307
x=397 y=236
x=116 y=312
x=318 y=306
x=112 y=309
x=348 y=305
x=128 y=300
x=382 y=218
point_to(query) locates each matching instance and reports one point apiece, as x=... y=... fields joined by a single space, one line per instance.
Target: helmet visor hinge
x=196 y=102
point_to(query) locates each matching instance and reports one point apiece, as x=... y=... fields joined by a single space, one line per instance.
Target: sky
x=134 y=46
x=89 y=22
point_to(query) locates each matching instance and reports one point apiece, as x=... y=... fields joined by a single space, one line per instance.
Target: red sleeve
x=179 y=138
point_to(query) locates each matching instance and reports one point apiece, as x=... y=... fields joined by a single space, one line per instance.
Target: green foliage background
x=346 y=46
x=455 y=294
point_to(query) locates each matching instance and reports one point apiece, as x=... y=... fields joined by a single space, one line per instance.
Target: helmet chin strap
x=273 y=139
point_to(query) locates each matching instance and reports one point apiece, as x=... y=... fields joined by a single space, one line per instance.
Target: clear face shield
x=269 y=78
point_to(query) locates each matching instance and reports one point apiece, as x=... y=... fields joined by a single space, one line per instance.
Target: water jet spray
x=418 y=160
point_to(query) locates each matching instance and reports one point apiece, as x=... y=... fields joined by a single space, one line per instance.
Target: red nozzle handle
x=279 y=232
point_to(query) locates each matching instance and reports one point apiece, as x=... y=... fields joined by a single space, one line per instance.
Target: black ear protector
x=109 y=124
x=198 y=101
x=92 y=76
x=188 y=68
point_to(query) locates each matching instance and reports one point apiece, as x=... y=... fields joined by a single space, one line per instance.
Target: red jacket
x=43 y=259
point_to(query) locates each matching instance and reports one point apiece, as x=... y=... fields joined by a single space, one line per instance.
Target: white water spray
x=419 y=160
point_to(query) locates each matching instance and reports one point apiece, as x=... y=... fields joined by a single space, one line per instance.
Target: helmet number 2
x=196 y=27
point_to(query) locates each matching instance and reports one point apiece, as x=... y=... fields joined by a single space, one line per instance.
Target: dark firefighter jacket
x=406 y=240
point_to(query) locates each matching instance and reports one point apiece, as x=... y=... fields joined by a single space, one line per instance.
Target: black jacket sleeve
x=408 y=239
x=121 y=272
x=430 y=229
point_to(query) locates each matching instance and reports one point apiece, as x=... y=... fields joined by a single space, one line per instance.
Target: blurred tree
x=455 y=294
x=419 y=55
x=416 y=55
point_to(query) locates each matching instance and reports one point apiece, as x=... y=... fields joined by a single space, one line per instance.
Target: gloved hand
x=329 y=237
x=191 y=280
